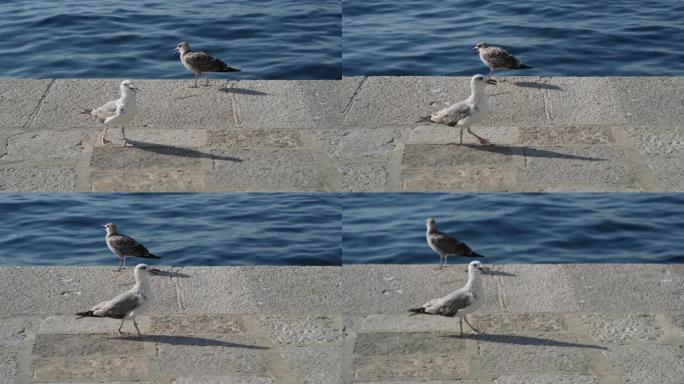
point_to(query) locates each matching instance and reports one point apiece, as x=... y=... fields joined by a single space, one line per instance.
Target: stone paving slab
x=315 y=364
x=364 y=177
x=8 y=367
x=20 y=100
x=32 y=178
x=411 y=367
x=12 y=332
x=648 y=363
x=116 y=368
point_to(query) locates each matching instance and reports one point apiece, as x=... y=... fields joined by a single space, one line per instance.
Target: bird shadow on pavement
x=500 y=273
x=161 y=272
x=242 y=91
x=509 y=150
x=190 y=340
x=534 y=84
x=527 y=340
x=169 y=150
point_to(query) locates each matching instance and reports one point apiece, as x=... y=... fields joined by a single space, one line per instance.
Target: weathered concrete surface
x=259 y=325
x=357 y=134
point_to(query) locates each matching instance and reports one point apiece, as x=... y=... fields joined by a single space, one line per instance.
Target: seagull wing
x=204 y=62
x=120 y=306
x=454 y=302
x=105 y=111
x=448 y=244
x=500 y=58
x=127 y=245
x=453 y=114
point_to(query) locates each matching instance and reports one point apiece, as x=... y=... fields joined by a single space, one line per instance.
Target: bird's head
x=182 y=47
x=147 y=269
x=128 y=85
x=430 y=223
x=110 y=228
x=481 y=81
x=480 y=45
x=477 y=267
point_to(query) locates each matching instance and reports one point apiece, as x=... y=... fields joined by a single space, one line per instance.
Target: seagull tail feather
x=229 y=69
x=86 y=111
x=85 y=314
x=417 y=311
x=475 y=254
x=425 y=119
x=151 y=256
x=523 y=66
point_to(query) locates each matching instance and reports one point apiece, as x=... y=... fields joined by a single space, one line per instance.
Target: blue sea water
x=184 y=229
x=267 y=39
x=389 y=228
x=557 y=38
x=331 y=229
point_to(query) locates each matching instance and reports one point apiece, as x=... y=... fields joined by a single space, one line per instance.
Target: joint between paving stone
x=548 y=105
x=32 y=116
x=643 y=174
x=353 y=96
x=235 y=105
x=277 y=367
x=598 y=362
x=332 y=179
x=671 y=334
x=395 y=170
x=25 y=354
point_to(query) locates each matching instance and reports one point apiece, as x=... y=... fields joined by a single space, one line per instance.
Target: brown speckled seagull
x=497 y=58
x=125 y=246
x=199 y=62
x=446 y=245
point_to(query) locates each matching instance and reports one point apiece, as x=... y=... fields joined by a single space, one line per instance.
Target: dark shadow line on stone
x=529 y=152
x=501 y=273
x=534 y=84
x=190 y=340
x=164 y=273
x=242 y=91
x=177 y=151
x=527 y=340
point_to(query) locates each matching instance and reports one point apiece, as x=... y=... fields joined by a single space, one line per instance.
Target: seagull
x=467 y=112
x=117 y=112
x=446 y=245
x=128 y=304
x=200 y=62
x=125 y=246
x=461 y=302
x=497 y=58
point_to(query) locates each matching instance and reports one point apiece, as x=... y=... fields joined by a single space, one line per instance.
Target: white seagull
x=446 y=245
x=129 y=304
x=467 y=112
x=199 y=62
x=117 y=112
x=497 y=58
x=125 y=246
x=461 y=302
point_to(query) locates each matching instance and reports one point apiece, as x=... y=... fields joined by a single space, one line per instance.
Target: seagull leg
x=445 y=260
x=120 y=268
x=483 y=141
x=461 y=142
x=207 y=75
x=196 y=75
x=475 y=331
x=104 y=133
x=123 y=132
x=124 y=262
x=118 y=331
x=136 y=328
x=460 y=324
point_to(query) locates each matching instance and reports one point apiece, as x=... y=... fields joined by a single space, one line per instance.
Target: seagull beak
x=176 y=50
x=486 y=270
x=491 y=81
x=154 y=271
x=474 y=48
x=135 y=89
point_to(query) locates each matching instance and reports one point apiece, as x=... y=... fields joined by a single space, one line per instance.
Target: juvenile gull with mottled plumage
x=125 y=246
x=446 y=245
x=459 y=303
x=128 y=305
x=466 y=112
x=199 y=62
x=497 y=58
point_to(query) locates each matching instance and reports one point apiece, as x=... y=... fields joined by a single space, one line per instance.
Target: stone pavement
x=598 y=324
x=358 y=134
